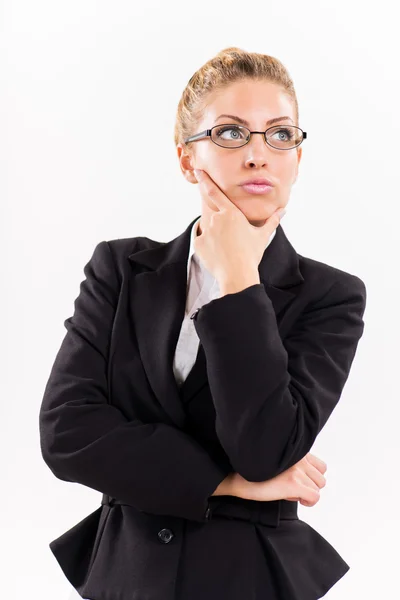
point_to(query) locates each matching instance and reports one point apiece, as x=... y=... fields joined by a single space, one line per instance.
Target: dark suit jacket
x=272 y=363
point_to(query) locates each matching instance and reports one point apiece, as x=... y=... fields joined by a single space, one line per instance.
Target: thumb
x=281 y=212
x=271 y=224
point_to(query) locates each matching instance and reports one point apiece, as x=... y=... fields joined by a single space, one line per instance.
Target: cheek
x=285 y=174
x=228 y=172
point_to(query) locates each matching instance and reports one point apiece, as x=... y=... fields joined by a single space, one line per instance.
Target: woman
x=195 y=375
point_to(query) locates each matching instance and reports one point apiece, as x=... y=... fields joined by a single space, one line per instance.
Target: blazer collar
x=157 y=302
x=279 y=266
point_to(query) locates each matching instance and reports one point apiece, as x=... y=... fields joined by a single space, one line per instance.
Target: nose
x=257 y=149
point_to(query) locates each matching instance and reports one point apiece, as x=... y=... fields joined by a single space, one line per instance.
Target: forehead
x=255 y=101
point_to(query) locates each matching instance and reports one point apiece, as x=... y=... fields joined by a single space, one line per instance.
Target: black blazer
x=272 y=363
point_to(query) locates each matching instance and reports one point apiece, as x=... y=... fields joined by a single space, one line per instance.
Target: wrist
x=239 y=486
x=226 y=487
x=236 y=485
x=230 y=284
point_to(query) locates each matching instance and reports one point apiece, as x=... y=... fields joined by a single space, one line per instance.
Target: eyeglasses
x=280 y=137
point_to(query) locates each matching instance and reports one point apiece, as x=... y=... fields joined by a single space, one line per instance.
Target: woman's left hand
x=228 y=243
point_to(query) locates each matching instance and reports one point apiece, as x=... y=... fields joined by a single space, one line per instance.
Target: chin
x=257 y=222
x=256 y=207
x=256 y=217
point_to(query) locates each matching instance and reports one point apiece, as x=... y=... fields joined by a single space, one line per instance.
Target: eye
x=237 y=131
x=285 y=132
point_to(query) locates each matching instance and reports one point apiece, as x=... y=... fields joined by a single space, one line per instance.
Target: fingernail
x=281 y=212
x=197 y=173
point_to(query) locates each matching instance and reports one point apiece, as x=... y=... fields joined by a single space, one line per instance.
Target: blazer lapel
x=157 y=307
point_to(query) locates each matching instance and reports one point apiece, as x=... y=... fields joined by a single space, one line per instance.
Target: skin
x=256 y=102
x=234 y=265
x=301 y=482
x=225 y=169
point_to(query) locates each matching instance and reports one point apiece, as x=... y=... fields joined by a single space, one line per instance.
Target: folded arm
x=273 y=397
x=84 y=439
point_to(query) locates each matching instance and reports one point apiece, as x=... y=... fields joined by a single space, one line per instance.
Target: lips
x=258 y=181
x=256 y=188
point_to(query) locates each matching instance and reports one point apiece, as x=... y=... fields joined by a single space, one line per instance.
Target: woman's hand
x=228 y=243
x=301 y=482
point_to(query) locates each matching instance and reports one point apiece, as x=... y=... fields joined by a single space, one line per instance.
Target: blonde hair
x=228 y=66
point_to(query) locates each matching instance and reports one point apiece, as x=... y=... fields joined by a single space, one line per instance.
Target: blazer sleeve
x=272 y=398
x=84 y=439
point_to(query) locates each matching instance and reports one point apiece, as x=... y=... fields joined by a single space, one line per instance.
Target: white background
x=89 y=97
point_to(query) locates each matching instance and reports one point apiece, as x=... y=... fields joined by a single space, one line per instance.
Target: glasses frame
x=207 y=133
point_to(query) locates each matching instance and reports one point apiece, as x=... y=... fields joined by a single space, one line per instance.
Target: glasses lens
x=284 y=136
x=234 y=136
x=230 y=136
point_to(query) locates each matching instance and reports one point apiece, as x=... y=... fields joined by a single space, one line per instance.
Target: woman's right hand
x=301 y=482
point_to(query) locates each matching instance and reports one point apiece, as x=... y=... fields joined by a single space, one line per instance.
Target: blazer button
x=193 y=316
x=165 y=535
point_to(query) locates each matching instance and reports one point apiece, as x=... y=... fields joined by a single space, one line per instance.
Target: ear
x=299 y=155
x=186 y=163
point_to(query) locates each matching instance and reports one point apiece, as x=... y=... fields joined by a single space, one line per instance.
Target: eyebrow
x=244 y=122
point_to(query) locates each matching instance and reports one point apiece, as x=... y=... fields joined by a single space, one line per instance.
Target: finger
x=317 y=462
x=306 y=489
x=208 y=201
x=212 y=193
x=209 y=206
x=316 y=476
x=266 y=230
